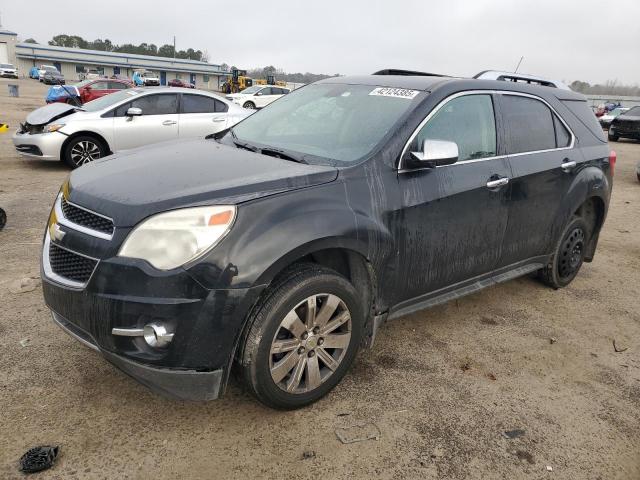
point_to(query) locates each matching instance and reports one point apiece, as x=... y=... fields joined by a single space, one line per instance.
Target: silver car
x=123 y=120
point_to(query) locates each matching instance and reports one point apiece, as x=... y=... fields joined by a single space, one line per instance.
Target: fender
x=590 y=182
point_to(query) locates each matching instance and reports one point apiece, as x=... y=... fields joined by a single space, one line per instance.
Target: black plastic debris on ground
x=38 y=459
x=3 y=218
x=514 y=433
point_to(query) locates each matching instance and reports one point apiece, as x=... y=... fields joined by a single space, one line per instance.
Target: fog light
x=156 y=335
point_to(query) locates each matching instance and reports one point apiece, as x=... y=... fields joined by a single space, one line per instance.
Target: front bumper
x=45 y=146
x=9 y=75
x=181 y=384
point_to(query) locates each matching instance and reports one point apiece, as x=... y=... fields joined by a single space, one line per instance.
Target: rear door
x=454 y=217
x=543 y=164
x=201 y=115
x=158 y=122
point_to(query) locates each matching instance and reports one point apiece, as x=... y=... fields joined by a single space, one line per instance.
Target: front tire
x=613 y=138
x=568 y=256
x=249 y=105
x=82 y=150
x=302 y=337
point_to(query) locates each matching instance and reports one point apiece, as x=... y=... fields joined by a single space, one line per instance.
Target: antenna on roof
x=518 y=66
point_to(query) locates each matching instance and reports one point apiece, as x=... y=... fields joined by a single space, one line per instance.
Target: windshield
x=251 y=90
x=338 y=123
x=634 y=112
x=50 y=69
x=616 y=111
x=108 y=100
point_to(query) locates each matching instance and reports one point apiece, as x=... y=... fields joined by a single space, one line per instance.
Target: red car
x=96 y=88
x=176 y=82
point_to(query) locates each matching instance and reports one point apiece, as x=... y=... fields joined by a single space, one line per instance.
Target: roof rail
x=519 y=77
x=408 y=73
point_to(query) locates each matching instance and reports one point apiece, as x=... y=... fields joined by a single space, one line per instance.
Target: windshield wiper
x=274 y=152
x=240 y=144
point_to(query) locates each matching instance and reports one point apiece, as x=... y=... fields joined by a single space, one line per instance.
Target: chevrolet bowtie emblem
x=56 y=233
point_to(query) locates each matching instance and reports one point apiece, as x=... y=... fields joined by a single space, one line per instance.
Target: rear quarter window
x=585 y=115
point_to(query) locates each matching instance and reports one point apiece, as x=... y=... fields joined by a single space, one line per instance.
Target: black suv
x=626 y=125
x=280 y=246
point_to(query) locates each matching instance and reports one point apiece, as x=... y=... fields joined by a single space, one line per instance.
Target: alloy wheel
x=84 y=152
x=310 y=343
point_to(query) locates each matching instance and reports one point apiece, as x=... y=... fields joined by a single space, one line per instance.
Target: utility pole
x=174 y=47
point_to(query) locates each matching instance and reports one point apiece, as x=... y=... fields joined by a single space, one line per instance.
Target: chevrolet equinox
x=278 y=247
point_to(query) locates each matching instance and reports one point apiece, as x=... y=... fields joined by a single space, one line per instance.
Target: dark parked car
x=626 y=125
x=176 y=82
x=53 y=77
x=281 y=245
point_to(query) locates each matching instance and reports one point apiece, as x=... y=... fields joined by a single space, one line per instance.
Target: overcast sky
x=590 y=40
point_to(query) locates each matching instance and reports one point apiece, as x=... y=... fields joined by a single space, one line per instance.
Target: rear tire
x=286 y=361
x=249 y=105
x=568 y=256
x=82 y=150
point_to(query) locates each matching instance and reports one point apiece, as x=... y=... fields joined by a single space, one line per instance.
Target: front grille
x=70 y=265
x=85 y=218
x=628 y=125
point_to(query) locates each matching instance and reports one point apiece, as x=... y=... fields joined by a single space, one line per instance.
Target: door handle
x=497 y=183
x=567 y=166
x=169 y=122
x=219 y=119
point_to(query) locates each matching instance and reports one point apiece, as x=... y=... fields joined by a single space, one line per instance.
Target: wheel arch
x=83 y=133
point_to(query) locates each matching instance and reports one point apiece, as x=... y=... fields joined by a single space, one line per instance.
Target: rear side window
x=530 y=124
x=201 y=104
x=117 y=86
x=266 y=91
x=99 y=86
x=468 y=121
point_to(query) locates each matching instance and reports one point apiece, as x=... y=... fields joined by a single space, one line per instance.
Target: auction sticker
x=394 y=92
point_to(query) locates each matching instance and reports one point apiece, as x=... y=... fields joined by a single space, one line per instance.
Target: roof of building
x=7 y=32
x=81 y=55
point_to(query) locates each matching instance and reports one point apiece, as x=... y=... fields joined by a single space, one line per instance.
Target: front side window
x=530 y=124
x=469 y=121
x=99 y=86
x=634 y=112
x=265 y=91
x=157 y=104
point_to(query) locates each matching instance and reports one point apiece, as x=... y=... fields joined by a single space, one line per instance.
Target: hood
x=49 y=113
x=135 y=184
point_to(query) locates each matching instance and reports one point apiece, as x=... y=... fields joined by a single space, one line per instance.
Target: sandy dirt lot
x=442 y=385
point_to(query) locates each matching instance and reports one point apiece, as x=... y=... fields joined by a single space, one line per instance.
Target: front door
x=453 y=218
x=163 y=78
x=158 y=122
x=116 y=70
x=539 y=145
x=192 y=78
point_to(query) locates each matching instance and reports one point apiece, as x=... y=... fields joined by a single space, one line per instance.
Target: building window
x=178 y=76
x=205 y=78
x=79 y=68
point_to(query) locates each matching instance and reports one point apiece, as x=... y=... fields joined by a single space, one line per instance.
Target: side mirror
x=258 y=94
x=134 y=112
x=435 y=153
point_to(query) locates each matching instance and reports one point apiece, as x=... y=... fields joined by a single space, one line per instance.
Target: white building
x=72 y=61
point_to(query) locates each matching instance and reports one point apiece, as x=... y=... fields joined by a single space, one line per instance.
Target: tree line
x=106 y=45
x=280 y=74
x=610 y=87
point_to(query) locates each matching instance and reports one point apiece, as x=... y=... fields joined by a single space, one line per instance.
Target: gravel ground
x=442 y=385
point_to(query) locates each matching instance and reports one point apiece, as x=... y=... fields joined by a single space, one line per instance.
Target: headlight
x=169 y=240
x=54 y=127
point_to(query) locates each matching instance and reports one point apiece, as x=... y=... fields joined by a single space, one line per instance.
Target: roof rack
x=408 y=73
x=519 y=77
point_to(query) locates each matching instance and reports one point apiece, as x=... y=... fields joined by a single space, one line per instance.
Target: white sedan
x=123 y=120
x=257 y=96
